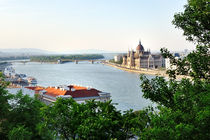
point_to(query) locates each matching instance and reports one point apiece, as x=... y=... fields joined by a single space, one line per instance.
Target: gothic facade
x=142 y=59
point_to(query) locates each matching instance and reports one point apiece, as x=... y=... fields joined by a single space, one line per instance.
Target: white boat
x=9 y=71
x=32 y=80
x=22 y=76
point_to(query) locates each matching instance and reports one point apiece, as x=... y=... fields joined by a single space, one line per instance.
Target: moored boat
x=32 y=80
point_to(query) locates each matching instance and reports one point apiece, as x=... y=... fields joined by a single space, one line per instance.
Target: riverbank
x=156 y=72
x=141 y=71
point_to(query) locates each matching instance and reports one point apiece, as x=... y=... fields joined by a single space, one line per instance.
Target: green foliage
x=196 y=64
x=159 y=90
x=20 y=116
x=186 y=116
x=183 y=106
x=194 y=21
x=4 y=105
x=19 y=133
x=25 y=111
x=66 y=57
x=14 y=58
x=90 y=120
x=61 y=118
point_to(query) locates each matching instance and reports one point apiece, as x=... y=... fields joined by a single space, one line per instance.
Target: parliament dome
x=140 y=47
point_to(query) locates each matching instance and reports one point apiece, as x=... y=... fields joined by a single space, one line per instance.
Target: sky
x=111 y=25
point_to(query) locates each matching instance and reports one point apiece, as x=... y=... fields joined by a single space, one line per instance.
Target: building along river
x=124 y=86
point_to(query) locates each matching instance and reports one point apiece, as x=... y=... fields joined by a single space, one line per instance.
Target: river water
x=124 y=86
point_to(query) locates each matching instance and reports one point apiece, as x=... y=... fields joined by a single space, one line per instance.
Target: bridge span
x=90 y=61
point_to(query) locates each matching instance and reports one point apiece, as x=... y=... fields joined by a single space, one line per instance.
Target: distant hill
x=90 y=51
x=23 y=52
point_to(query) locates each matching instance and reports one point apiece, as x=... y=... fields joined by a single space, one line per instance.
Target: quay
x=140 y=71
x=155 y=72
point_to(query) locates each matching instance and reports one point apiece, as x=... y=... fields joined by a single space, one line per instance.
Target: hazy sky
x=112 y=25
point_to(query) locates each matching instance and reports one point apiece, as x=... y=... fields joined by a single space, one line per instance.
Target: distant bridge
x=90 y=61
x=77 y=61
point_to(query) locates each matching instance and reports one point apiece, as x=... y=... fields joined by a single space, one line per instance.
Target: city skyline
x=63 y=26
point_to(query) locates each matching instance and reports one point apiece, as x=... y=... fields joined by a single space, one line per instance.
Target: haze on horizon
x=111 y=25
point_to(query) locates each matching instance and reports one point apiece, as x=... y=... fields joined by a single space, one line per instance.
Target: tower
x=140 y=48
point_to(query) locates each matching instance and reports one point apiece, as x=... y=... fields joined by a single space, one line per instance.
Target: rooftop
x=74 y=90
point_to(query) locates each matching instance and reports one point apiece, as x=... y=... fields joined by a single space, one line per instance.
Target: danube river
x=124 y=86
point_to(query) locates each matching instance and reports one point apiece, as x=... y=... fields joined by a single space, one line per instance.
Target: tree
x=183 y=109
x=183 y=106
x=20 y=116
x=19 y=133
x=194 y=21
x=90 y=120
x=62 y=118
x=4 y=105
x=26 y=113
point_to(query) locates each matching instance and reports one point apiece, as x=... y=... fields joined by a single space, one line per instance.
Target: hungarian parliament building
x=142 y=59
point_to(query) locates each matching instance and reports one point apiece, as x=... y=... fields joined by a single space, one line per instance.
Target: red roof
x=83 y=93
x=37 y=88
x=77 y=87
x=32 y=88
x=78 y=91
x=52 y=91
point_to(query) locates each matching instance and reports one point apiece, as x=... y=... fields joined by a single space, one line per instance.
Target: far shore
x=156 y=72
